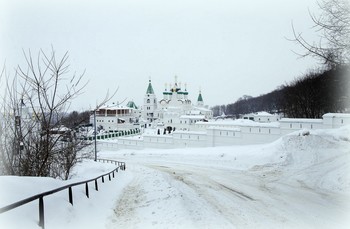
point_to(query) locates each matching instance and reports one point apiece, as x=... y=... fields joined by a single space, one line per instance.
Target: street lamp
x=95 y=127
x=95 y=135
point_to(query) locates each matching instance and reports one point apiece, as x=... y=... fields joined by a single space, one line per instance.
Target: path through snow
x=173 y=196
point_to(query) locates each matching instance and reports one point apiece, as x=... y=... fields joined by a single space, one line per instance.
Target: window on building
x=148 y=100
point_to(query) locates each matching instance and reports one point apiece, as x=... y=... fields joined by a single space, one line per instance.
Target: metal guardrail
x=120 y=165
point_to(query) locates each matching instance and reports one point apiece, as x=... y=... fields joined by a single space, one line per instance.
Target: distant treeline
x=75 y=119
x=310 y=96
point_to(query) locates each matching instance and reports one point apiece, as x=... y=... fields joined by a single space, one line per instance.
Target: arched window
x=148 y=100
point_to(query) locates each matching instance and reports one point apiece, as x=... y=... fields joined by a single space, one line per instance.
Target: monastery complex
x=173 y=111
x=174 y=121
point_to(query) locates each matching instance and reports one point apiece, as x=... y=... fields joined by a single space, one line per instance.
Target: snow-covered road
x=174 y=195
x=300 y=181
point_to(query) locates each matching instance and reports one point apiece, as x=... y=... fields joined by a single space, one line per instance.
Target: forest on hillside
x=316 y=92
x=310 y=96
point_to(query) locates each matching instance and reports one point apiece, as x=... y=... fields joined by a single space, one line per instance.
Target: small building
x=334 y=120
x=262 y=117
x=117 y=117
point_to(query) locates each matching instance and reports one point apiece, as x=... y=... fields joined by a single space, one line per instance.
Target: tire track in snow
x=224 y=200
x=237 y=192
x=155 y=199
x=234 y=205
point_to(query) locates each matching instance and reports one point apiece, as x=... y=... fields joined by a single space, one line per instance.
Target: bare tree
x=333 y=27
x=34 y=142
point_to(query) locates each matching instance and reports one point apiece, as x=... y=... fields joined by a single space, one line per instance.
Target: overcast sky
x=228 y=48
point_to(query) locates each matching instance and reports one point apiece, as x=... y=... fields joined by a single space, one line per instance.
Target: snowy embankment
x=299 y=181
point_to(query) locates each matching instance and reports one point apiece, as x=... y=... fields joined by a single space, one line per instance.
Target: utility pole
x=106 y=99
x=95 y=135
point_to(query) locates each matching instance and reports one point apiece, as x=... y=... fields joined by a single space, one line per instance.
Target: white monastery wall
x=225 y=135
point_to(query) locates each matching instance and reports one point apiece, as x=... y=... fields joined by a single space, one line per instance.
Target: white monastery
x=174 y=111
x=174 y=121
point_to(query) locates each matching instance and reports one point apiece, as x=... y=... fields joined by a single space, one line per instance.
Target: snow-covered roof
x=260 y=113
x=193 y=116
x=339 y=115
x=195 y=112
x=61 y=128
x=201 y=109
x=238 y=122
x=224 y=128
x=113 y=107
x=304 y=120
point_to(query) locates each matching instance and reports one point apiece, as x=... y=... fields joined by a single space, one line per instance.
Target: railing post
x=113 y=173
x=87 y=189
x=96 y=186
x=103 y=179
x=70 y=195
x=109 y=176
x=41 y=213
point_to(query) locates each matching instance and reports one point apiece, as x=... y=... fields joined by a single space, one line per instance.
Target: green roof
x=200 y=99
x=149 y=88
x=131 y=104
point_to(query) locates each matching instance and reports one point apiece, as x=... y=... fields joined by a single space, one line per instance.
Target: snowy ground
x=299 y=181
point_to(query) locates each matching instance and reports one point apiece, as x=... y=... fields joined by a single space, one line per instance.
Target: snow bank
x=59 y=213
x=300 y=180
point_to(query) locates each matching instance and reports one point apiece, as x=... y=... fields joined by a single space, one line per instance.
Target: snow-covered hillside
x=299 y=181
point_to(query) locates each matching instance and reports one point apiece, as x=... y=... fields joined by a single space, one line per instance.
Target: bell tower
x=150 y=104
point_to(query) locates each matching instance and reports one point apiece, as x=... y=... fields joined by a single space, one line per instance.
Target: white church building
x=175 y=110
